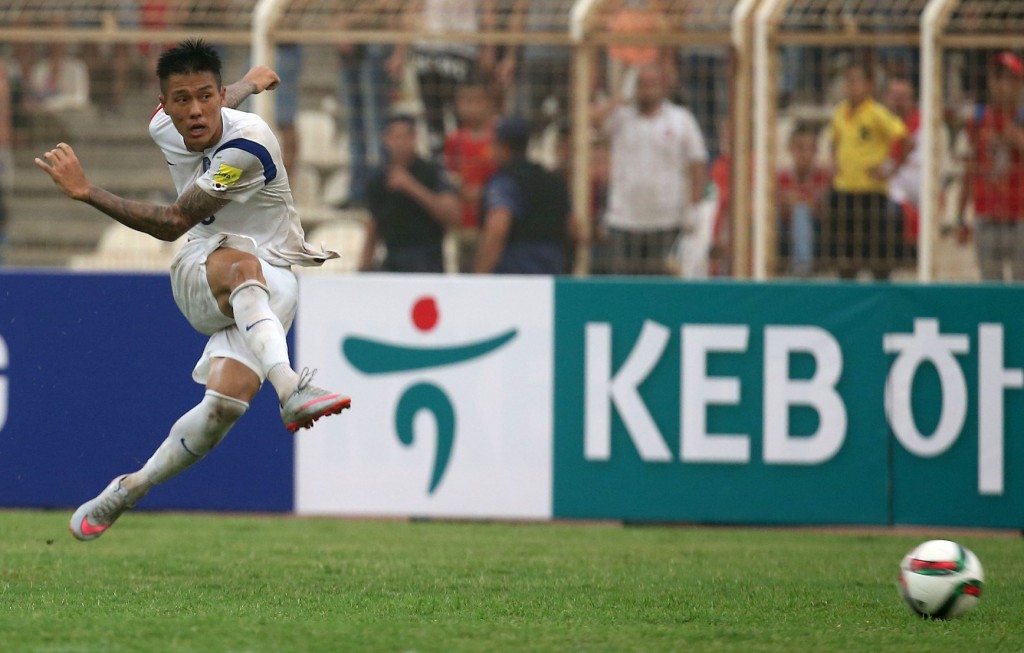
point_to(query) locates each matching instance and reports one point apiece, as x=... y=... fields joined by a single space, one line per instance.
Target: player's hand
x=263 y=78
x=66 y=171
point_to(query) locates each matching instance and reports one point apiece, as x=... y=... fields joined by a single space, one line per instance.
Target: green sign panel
x=788 y=403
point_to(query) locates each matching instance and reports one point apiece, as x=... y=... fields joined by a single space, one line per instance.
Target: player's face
x=193 y=101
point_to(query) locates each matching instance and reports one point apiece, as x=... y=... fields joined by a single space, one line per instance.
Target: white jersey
x=243 y=166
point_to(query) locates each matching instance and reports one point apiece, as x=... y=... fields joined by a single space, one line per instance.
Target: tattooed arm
x=163 y=222
x=257 y=80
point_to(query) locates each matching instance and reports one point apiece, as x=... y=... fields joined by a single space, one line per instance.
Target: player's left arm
x=257 y=80
x=162 y=222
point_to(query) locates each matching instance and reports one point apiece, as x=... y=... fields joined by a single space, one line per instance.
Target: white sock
x=191 y=438
x=265 y=335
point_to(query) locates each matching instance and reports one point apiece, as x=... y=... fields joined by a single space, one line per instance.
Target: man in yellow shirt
x=860 y=232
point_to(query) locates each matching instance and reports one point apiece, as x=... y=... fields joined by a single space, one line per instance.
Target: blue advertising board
x=94 y=370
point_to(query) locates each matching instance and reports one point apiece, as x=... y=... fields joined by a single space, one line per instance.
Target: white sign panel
x=451 y=386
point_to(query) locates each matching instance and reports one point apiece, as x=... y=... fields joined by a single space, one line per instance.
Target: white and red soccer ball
x=941 y=579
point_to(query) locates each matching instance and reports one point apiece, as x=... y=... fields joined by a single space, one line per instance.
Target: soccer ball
x=941 y=579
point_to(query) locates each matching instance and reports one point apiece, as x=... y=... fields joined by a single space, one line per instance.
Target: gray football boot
x=95 y=516
x=308 y=403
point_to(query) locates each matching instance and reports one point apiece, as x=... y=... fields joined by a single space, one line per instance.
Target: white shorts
x=195 y=299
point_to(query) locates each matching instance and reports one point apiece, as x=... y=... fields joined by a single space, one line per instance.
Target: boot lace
x=112 y=505
x=305 y=378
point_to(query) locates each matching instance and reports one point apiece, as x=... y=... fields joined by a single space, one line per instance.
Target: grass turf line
x=206 y=583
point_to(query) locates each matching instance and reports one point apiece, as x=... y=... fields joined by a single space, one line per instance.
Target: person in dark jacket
x=525 y=210
x=412 y=202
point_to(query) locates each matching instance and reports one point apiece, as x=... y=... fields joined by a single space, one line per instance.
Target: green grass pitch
x=217 y=583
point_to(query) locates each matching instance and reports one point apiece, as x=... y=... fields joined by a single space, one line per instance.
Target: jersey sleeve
x=238 y=170
x=158 y=124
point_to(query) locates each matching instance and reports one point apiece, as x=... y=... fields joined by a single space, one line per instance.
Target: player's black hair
x=189 y=56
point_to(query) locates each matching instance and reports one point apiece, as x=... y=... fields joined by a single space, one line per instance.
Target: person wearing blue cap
x=525 y=210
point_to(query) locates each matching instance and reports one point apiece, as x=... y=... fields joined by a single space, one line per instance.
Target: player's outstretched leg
x=193 y=436
x=95 y=516
x=308 y=403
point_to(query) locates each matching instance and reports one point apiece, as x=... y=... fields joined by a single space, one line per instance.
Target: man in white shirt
x=232 y=280
x=658 y=161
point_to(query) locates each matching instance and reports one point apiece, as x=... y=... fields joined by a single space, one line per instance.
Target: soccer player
x=232 y=280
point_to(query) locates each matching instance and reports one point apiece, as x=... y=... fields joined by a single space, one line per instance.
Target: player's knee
x=223 y=411
x=246 y=269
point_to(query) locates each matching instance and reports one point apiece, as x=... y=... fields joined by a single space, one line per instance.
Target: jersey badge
x=226 y=176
